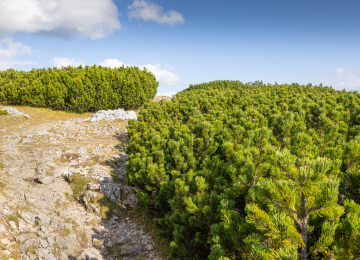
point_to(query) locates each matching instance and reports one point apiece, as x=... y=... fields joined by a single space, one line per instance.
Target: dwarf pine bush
x=78 y=89
x=251 y=171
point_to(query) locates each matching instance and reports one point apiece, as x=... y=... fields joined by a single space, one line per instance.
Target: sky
x=189 y=41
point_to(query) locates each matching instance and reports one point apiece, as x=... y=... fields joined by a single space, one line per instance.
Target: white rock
x=2 y=229
x=6 y=252
x=3 y=130
x=6 y=212
x=15 y=112
x=42 y=133
x=27 y=139
x=113 y=114
x=45 y=179
x=5 y=241
x=12 y=225
x=93 y=186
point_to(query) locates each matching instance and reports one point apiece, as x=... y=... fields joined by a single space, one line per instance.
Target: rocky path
x=62 y=190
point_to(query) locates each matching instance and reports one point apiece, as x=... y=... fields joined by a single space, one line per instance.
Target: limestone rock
x=92 y=186
x=113 y=114
x=15 y=112
x=90 y=254
x=111 y=190
x=127 y=250
x=45 y=179
x=2 y=229
x=130 y=199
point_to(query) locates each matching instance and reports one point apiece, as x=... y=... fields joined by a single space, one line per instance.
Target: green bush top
x=78 y=89
x=251 y=171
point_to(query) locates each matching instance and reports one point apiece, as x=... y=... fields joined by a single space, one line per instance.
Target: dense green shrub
x=80 y=89
x=251 y=171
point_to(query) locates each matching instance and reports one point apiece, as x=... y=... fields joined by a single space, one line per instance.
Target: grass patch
x=78 y=184
x=14 y=218
x=115 y=250
x=92 y=223
x=71 y=156
x=3 y=113
x=65 y=232
x=108 y=207
x=31 y=250
x=2 y=186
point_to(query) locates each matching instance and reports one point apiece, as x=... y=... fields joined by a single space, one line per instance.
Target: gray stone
x=104 y=180
x=111 y=190
x=130 y=199
x=45 y=179
x=127 y=250
x=123 y=240
x=93 y=186
x=89 y=196
x=92 y=208
x=90 y=254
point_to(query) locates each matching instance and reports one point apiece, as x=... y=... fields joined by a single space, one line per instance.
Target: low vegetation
x=78 y=89
x=251 y=171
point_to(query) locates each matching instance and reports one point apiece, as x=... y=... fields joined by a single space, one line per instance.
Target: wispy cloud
x=147 y=11
x=60 y=18
x=10 y=50
x=65 y=61
x=162 y=75
x=341 y=78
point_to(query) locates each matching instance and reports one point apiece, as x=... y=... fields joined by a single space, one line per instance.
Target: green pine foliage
x=78 y=89
x=251 y=171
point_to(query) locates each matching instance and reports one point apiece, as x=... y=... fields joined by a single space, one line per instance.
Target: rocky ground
x=62 y=189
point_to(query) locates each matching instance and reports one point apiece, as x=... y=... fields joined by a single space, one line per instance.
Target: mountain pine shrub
x=251 y=171
x=81 y=89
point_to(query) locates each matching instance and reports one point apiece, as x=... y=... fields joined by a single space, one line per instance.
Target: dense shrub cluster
x=251 y=171
x=80 y=89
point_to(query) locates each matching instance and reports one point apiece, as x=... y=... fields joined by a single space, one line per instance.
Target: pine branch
x=312 y=251
x=296 y=221
x=282 y=207
x=313 y=208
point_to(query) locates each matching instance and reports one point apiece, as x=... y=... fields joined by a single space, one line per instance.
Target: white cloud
x=112 y=63
x=162 y=75
x=147 y=11
x=62 y=18
x=9 y=50
x=341 y=78
x=65 y=61
x=167 y=94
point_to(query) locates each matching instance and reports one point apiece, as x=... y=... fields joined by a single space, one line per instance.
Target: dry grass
x=38 y=116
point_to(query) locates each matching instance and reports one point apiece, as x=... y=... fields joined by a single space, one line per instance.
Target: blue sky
x=187 y=42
